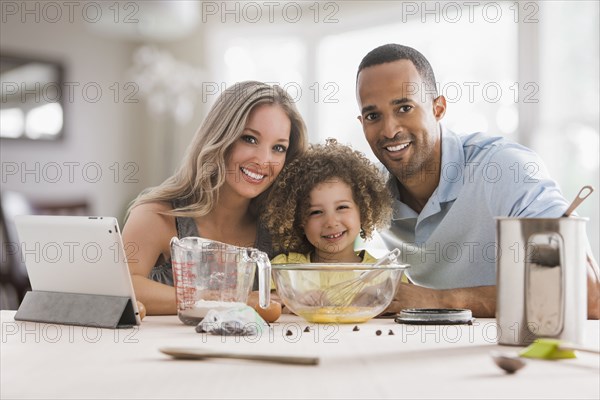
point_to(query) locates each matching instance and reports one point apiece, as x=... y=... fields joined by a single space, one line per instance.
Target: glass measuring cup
x=214 y=275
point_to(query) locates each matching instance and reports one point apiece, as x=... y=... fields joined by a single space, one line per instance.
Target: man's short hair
x=394 y=52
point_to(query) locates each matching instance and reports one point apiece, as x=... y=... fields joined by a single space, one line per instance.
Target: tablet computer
x=76 y=255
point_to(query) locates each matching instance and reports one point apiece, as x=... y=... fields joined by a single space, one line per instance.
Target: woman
x=248 y=136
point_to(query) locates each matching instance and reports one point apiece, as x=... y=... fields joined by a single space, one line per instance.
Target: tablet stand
x=77 y=309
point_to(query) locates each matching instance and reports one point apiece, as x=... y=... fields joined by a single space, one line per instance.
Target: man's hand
x=593 y=288
x=480 y=300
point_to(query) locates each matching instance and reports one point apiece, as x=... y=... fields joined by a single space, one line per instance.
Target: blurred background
x=100 y=99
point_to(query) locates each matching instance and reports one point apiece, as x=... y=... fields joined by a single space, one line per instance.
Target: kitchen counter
x=59 y=361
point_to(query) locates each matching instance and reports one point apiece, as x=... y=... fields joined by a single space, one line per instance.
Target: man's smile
x=397 y=147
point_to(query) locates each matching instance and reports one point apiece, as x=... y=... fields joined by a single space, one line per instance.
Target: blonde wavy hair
x=202 y=171
x=288 y=203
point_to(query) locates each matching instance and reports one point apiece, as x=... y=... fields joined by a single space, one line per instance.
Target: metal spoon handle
x=578 y=200
x=189 y=353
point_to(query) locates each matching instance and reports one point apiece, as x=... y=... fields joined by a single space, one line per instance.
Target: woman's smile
x=251 y=176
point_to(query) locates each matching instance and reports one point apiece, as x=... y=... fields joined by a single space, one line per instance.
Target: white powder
x=202 y=306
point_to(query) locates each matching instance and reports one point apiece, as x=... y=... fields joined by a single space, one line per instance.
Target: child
x=322 y=201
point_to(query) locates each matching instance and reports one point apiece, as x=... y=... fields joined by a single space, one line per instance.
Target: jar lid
x=434 y=316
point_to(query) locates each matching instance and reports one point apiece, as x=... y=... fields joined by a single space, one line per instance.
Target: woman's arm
x=146 y=237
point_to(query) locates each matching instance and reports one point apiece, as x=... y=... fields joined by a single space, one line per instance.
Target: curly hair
x=288 y=203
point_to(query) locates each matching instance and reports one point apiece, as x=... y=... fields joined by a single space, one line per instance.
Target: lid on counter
x=434 y=316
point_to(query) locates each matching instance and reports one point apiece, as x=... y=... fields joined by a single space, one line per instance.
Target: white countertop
x=59 y=361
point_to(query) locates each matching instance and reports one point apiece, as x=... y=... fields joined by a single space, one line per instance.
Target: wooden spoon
x=194 y=353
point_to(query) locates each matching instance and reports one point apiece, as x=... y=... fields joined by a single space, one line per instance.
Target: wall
x=112 y=133
x=102 y=156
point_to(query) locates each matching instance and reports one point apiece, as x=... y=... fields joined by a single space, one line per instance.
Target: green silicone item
x=547 y=349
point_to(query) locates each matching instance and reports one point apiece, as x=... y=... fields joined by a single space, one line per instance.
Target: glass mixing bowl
x=337 y=293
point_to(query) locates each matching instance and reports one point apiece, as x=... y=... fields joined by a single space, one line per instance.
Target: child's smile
x=333 y=237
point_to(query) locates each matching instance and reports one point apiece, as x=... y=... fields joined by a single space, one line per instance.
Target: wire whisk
x=344 y=293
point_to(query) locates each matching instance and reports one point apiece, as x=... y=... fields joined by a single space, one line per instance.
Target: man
x=447 y=188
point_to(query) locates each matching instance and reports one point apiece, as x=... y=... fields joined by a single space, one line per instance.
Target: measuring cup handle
x=264 y=280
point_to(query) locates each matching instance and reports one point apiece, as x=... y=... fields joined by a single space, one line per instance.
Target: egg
x=269 y=314
x=141 y=309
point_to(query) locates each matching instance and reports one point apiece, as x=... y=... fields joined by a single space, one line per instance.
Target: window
x=31 y=91
x=567 y=136
x=479 y=84
x=280 y=60
x=525 y=70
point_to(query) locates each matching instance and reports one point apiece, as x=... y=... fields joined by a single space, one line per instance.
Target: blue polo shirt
x=452 y=242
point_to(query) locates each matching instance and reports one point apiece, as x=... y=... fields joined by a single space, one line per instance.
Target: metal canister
x=541 y=279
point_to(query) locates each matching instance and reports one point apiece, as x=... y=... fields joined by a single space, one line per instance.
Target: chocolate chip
x=378 y=333
x=356 y=328
x=288 y=333
x=307 y=329
x=391 y=332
